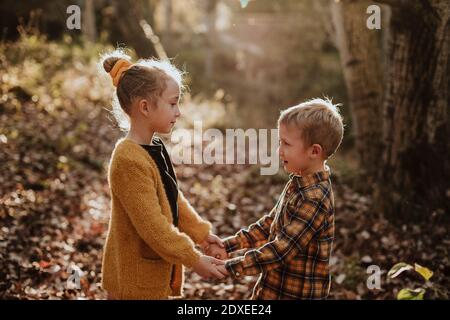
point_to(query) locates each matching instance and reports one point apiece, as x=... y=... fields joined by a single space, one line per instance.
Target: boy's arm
x=304 y=222
x=255 y=233
x=190 y=222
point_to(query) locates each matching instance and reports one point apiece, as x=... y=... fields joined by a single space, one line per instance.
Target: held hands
x=211 y=239
x=208 y=267
x=216 y=251
x=213 y=246
x=209 y=264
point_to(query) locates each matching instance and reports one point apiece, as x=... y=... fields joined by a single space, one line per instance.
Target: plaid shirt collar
x=311 y=179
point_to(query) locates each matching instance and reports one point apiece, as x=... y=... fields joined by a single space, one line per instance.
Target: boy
x=291 y=246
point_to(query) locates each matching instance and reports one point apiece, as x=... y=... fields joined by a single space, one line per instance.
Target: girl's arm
x=132 y=182
x=190 y=222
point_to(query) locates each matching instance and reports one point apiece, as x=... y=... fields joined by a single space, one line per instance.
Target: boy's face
x=295 y=156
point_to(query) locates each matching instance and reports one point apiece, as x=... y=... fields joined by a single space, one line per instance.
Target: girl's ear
x=144 y=106
x=316 y=150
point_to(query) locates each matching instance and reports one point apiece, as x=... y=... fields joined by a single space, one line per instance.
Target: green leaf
x=244 y=3
x=424 y=272
x=410 y=294
x=399 y=268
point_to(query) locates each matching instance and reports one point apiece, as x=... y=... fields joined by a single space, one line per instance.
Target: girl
x=153 y=228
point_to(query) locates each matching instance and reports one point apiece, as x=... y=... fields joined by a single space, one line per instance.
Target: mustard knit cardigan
x=144 y=252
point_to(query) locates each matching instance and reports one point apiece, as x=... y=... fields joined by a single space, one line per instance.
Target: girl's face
x=163 y=117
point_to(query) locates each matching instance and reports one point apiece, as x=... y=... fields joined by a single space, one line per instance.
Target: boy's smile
x=295 y=156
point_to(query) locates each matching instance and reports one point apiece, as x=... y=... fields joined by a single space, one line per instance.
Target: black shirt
x=157 y=150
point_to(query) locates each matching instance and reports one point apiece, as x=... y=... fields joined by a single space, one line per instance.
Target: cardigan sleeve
x=190 y=221
x=132 y=182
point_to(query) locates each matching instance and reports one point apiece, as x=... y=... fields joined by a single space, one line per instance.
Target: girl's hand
x=223 y=270
x=216 y=251
x=207 y=267
x=211 y=239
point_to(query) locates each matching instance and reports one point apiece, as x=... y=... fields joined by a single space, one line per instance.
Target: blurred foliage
x=266 y=57
x=426 y=290
x=49 y=17
x=56 y=137
x=272 y=55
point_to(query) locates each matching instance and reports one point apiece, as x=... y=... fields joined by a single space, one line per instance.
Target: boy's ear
x=316 y=150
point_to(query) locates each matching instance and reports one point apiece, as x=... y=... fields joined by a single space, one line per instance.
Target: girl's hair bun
x=109 y=63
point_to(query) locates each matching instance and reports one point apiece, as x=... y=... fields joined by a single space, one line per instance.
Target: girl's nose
x=177 y=112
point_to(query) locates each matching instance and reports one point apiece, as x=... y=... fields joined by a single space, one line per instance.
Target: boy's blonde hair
x=318 y=121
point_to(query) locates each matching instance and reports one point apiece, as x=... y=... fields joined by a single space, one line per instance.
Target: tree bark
x=413 y=181
x=127 y=17
x=211 y=6
x=168 y=16
x=359 y=50
x=89 y=26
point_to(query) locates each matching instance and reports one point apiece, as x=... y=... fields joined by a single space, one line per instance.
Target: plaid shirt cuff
x=231 y=244
x=244 y=265
x=234 y=267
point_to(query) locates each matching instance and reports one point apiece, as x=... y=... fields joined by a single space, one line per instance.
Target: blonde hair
x=318 y=121
x=146 y=78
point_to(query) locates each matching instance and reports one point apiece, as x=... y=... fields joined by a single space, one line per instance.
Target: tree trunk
x=359 y=50
x=89 y=27
x=211 y=6
x=168 y=13
x=415 y=168
x=127 y=17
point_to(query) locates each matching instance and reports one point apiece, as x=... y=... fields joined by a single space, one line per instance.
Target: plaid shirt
x=292 y=244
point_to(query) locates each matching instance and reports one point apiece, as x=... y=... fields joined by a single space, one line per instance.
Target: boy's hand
x=217 y=252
